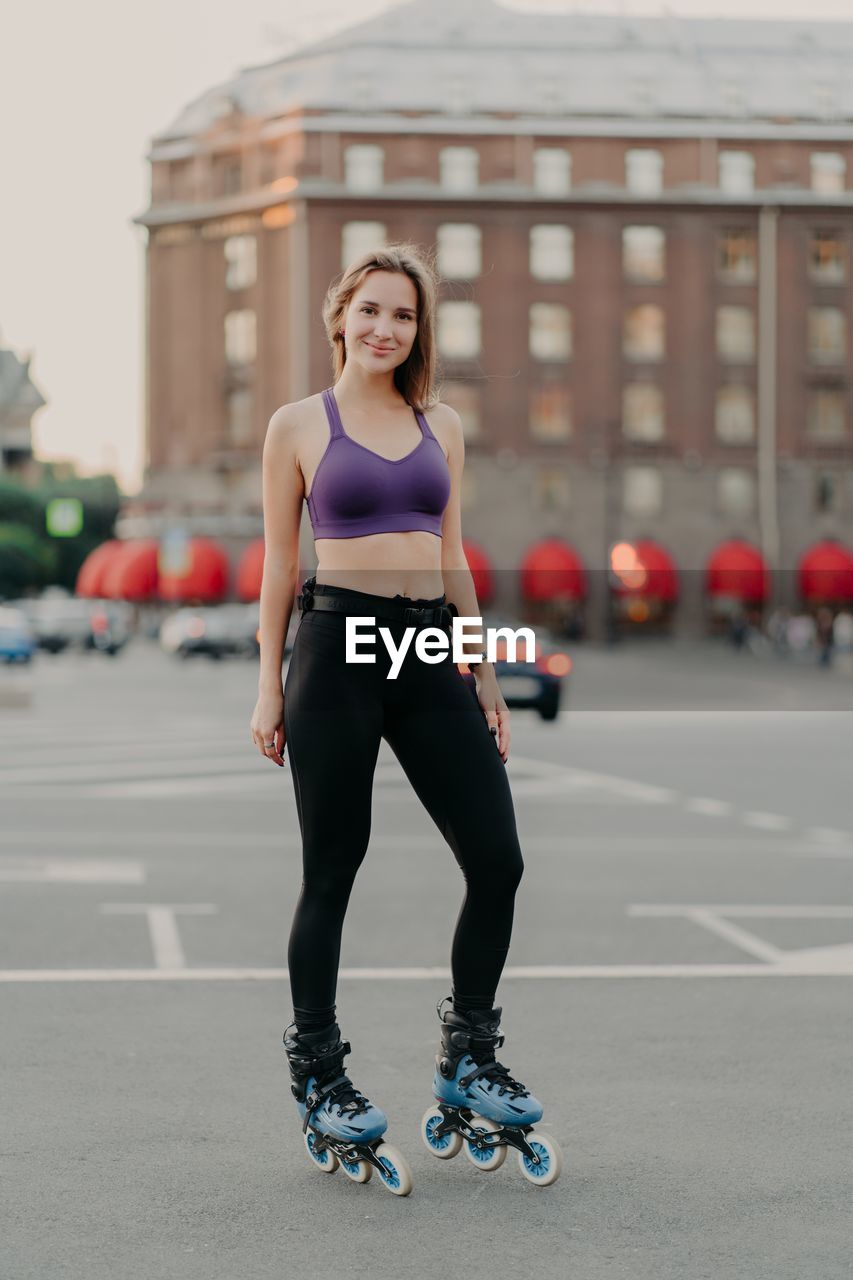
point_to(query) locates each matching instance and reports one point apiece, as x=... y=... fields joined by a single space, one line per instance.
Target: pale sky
x=83 y=88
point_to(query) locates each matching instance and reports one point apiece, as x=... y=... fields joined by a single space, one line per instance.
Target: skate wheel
x=397 y=1176
x=490 y=1157
x=445 y=1147
x=357 y=1170
x=551 y=1160
x=325 y=1159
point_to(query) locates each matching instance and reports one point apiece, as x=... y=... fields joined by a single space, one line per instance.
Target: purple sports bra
x=356 y=491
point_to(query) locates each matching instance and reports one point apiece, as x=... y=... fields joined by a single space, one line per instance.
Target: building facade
x=643 y=229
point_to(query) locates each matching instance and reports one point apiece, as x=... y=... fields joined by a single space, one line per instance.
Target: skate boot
x=481 y=1106
x=339 y=1125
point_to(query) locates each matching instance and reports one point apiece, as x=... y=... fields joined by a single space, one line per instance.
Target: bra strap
x=424 y=425
x=335 y=425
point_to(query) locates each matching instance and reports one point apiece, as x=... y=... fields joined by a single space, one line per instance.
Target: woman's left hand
x=494 y=707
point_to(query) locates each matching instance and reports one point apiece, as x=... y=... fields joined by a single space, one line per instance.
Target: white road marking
x=766 y=821
x=839 y=964
x=68 y=872
x=834 y=960
x=162 y=926
x=828 y=835
x=708 y=807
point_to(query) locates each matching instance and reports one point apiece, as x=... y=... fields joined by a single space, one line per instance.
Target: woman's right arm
x=283 y=495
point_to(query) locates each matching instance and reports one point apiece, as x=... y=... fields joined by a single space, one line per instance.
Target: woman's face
x=380 y=322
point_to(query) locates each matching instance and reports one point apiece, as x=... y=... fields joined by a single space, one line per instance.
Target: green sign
x=64 y=517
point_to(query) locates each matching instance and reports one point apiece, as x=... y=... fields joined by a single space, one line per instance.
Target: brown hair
x=415 y=377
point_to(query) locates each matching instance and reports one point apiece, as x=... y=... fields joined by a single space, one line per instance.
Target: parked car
x=538 y=684
x=17 y=638
x=61 y=621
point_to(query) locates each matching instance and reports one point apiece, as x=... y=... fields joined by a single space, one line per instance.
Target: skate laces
x=496 y=1074
x=342 y=1093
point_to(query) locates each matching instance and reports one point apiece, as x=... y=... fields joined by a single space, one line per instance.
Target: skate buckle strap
x=496 y=1073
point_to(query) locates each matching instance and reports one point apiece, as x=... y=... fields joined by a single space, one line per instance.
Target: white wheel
x=326 y=1159
x=551 y=1160
x=358 y=1171
x=397 y=1176
x=486 y=1158
x=445 y=1147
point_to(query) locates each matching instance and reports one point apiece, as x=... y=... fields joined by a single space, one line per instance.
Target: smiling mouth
x=381 y=350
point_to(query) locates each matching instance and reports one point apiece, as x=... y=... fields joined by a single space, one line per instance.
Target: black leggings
x=335 y=714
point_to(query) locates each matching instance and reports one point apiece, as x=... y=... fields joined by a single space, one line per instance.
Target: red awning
x=551 y=570
x=826 y=572
x=132 y=573
x=738 y=569
x=643 y=568
x=206 y=577
x=91 y=573
x=481 y=570
x=250 y=571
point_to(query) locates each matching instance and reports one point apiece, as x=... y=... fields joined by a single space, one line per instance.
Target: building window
x=240 y=407
x=550 y=331
x=734 y=417
x=551 y=252
x=736 y=334
x=358 y=238
x=459 y=168
x=643 y=333
x=827 y=492
x=642 y=412
x=828 y=258
x=827 y=335
x=240 y=337
x=551 y=490
x=241 y=262
x=363 y=167
x=736 y=172
x=643 y=253
x=737 y=257
x=644 y=171
x=552 y=171
x=829 y=171
x=736 y=491
x=826 y=415
x=550 y=413
x=230 y=176
x=458 y=330
x=467 y=402
x=459 y=250
x=642 y=491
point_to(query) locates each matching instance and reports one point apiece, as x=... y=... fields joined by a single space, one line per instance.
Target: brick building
x=643 y=227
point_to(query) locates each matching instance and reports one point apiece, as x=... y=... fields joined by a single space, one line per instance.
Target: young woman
x=382 y=485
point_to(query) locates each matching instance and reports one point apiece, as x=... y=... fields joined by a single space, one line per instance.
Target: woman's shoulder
x=446 y=425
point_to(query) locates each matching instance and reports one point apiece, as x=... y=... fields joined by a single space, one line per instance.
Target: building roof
x=476 y=56
x=17 y=391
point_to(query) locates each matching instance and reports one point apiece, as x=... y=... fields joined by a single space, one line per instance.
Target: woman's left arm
x=459 y=584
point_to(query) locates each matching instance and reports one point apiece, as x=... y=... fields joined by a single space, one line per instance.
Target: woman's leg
x=440 y=736
x=333 y=723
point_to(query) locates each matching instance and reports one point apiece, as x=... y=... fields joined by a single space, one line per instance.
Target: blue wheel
x=550 y=1161
x=491 y=1156
x=326 y=1159
x=357 y=1170
x=445 y=1147
x=397 y=1175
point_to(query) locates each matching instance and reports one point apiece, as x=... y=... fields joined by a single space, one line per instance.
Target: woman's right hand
x=268 y=726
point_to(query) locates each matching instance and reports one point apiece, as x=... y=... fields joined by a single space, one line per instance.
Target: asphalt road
x=678 y=991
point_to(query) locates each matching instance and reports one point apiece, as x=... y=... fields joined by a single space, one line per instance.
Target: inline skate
x=481 y=1106
x=339 y=1125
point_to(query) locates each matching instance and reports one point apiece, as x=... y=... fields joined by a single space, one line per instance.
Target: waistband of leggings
x=327 y=589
